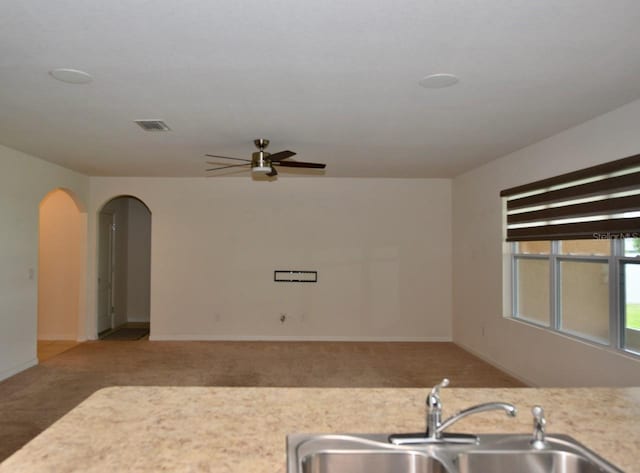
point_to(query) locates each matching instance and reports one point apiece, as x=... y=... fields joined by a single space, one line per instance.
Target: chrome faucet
x=435 y=425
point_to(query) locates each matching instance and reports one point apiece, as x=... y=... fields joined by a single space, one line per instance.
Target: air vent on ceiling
x=153 y=125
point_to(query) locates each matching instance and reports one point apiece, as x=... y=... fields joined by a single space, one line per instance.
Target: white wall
x=24 y=181
x=382 y=249
x=60 y=261
x=535 y=355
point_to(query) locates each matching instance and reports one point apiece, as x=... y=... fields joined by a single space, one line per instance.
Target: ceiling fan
x=262 y=163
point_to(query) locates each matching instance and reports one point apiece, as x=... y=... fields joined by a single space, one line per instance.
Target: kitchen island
x=196 y=429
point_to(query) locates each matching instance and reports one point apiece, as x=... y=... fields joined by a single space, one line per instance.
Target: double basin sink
x=491 y=453
x=438 y=451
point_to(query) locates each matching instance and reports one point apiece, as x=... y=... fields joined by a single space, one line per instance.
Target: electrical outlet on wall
x=283 y=317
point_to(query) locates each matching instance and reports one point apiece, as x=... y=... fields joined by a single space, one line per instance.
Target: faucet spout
x=436 y=427
x=508 y=408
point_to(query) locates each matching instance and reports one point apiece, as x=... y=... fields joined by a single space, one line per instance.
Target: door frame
x=109 y=235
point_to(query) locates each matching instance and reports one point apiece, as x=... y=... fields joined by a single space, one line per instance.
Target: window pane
x=533 y=289
x=632 y=246
x=631 y=272
x=534 y=247
x=585 y=247
x=584 y=299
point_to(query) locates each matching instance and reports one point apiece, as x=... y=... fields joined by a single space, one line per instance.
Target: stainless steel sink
x=560 y=454
x=435 y=450
x=373 y=453
x=371 y=462
x=552 y=461
x=356 y=453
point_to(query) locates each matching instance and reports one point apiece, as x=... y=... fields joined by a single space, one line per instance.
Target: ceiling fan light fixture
x=261 y=170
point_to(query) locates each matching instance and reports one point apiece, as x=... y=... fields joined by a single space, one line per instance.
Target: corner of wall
x=478 y=257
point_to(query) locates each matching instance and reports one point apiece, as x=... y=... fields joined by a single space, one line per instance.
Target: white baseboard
x=494 y=363
x=17 y=369
x=290 y=338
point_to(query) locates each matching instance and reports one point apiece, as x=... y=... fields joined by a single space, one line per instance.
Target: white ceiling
x=334 y=80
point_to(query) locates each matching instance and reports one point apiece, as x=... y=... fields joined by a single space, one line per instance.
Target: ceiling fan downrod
x=261 y=143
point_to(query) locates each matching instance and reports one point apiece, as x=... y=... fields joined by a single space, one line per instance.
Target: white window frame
x=615 y=260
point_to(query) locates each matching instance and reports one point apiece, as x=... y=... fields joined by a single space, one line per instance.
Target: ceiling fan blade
x=227 y=157
x=302 y=164
x=280 y=155
x=273 y=172
x=229 y=166
x=218 y=163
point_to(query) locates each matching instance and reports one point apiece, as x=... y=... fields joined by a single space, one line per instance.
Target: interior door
x=105 y=271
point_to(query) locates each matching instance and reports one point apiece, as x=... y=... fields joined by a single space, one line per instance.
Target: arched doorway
x=61 y=262
x=124 y=269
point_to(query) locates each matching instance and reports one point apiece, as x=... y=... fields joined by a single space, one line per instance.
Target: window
x=630 y=273
x=585 y=293
x=532 y=289
x=575 y=253
x=584 y=298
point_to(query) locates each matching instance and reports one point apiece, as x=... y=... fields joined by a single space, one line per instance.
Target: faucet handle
x=442 y=384
x=433 y=400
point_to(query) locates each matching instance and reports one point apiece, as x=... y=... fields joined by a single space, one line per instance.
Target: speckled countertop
x=180 y=429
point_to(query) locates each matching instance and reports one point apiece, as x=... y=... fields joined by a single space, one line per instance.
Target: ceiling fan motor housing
x=260 y=163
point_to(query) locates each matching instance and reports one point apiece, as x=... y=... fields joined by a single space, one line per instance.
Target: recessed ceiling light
x=71 y=76
x=439 y=81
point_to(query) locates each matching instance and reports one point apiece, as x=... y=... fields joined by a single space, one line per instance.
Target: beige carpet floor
x=50 y=348
x=32 y=400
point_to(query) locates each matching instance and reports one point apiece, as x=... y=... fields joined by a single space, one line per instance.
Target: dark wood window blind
x=601 y=201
